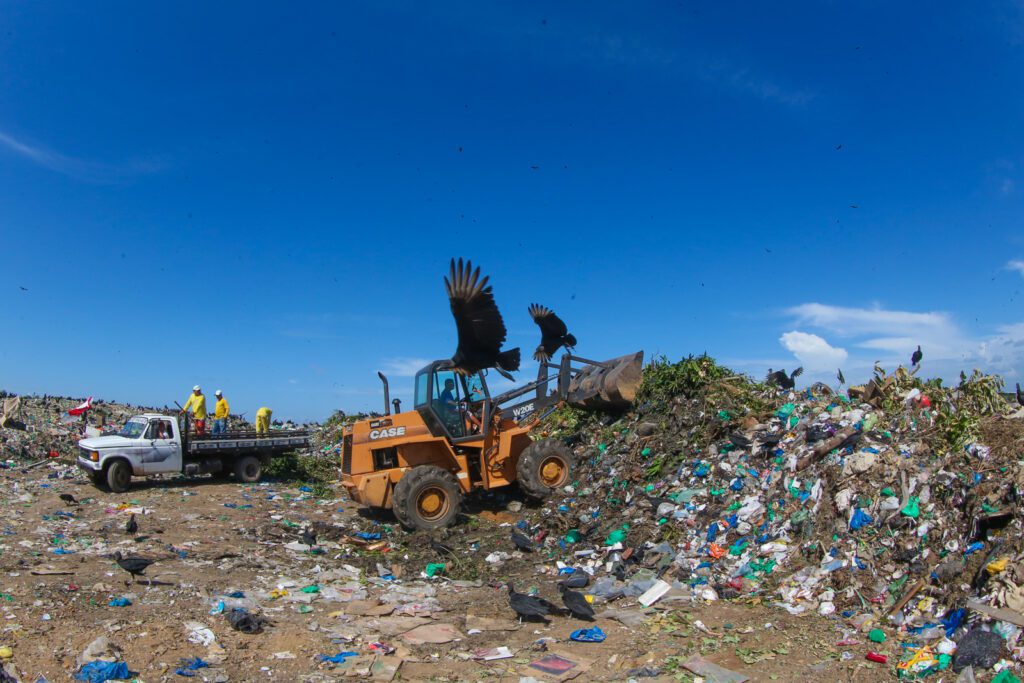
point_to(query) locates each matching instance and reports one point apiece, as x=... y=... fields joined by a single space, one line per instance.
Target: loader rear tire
x=544 y=466
x=427 y=497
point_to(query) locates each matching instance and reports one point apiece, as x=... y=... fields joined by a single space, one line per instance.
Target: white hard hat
x=218 y=393
x=196 y=388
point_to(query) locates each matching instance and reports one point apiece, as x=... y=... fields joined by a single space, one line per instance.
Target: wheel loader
x=458 y=438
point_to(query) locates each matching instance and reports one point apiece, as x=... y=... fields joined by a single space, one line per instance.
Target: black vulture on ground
x=1020 y=396
x=576 y=603
x=479 y=324
x=132 y=527
x=915 y=358
x=553 y=333
x=527 y=606
x=135 y=566
x=783 y=380
x=69 y=499
x=522 y=542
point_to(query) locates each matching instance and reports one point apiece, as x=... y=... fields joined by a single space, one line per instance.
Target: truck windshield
x=133 y=428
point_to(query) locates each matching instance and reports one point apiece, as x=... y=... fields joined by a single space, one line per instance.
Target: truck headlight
x=94 y=456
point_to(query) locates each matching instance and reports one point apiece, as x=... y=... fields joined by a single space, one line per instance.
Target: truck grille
x=346 y=455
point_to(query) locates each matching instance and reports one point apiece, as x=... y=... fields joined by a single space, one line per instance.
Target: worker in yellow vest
x=220 y=413
x=197 y=402
x=263 y=420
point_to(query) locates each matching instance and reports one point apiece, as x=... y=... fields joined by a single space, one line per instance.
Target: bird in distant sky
x=839 y=376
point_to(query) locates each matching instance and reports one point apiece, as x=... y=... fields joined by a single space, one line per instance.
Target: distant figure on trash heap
x=220 y=413
x=198 y=404
x=263 y=421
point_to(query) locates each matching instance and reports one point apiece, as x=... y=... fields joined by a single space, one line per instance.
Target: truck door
x=164 y=452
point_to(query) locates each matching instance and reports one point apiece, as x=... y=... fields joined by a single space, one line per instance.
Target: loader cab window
x=447 y=401
x=422 y=389
x=475 y=388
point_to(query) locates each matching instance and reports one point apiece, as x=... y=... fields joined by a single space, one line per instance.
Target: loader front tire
x=544 y=466
x=427 y=497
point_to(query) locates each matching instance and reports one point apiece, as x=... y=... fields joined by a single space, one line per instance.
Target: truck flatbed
x=245 y=441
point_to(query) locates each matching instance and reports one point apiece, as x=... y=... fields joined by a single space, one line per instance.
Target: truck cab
x=147 y=444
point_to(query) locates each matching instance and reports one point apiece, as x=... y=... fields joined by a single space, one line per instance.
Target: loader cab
x=453 y=405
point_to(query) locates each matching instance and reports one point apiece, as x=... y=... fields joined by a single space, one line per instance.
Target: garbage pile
x=892 y=508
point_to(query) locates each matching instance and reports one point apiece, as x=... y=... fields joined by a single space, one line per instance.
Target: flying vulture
x=481 y=329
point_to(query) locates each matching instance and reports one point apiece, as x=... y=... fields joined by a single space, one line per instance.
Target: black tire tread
x=528 y=466
x=408 y=485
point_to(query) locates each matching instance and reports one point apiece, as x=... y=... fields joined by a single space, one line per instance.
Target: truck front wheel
x=119 y=476
x=427 y=497
x=248 y=469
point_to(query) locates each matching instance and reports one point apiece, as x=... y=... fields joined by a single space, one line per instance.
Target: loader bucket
x=611 y=384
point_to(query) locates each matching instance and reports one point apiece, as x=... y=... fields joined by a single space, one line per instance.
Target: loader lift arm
x=608 y=384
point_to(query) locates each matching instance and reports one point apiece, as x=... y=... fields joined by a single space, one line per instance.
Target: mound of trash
x=894 y=504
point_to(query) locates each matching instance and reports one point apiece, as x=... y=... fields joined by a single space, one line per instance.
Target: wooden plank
x=996 y=612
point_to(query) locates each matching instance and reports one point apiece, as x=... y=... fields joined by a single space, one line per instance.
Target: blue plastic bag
x=338 y=658
x=100 y=672
x=119 y=602
x=860 y=519
x=589 y=635
x=188 y=667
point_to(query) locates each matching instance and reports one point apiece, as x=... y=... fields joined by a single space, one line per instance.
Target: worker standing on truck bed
x=263 y=420
x=198 y=404
x=220 y=413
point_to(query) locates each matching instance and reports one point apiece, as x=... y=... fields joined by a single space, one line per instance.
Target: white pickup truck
x=157 y=444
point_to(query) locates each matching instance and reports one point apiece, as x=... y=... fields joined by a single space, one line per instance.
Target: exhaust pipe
x=397 y=403
x=387 y=395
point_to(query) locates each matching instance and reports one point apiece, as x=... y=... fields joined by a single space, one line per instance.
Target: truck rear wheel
x=248 y=469
x=427 y=497
x=119 y=476
x=543 y=467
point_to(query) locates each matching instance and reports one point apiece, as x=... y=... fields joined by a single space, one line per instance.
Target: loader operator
x=198 y=404
x=451 y=411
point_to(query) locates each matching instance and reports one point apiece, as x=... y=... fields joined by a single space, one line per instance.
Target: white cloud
x=404 y=366
x=82 y=169
x=813 y=352
x=1017 y=265
x=890 y=336
x=866 y=321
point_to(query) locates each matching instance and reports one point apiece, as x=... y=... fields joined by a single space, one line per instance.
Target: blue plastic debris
x=589 y=635
x=100 y=672
x=119 y=602
x=366 y=536
x=973 y=548
x=218 y=608
x=860 y=519
x=236 y=594
x=188 y=667
x=338 y=658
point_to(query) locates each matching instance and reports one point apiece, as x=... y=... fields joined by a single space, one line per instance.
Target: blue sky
x=263 y=198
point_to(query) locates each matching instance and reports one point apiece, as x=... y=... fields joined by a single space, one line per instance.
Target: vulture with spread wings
x=481 y=329
x=553 y=333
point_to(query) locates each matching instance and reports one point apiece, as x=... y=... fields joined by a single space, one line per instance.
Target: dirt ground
x=207 y=541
